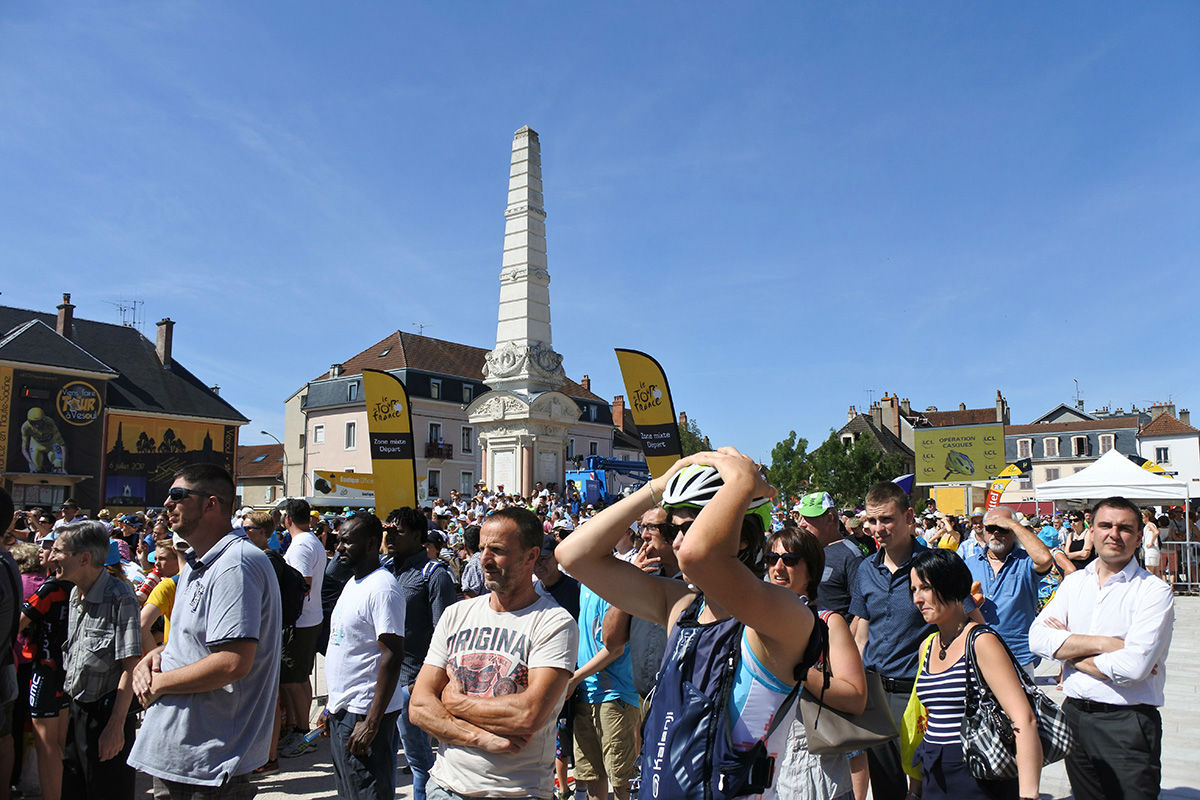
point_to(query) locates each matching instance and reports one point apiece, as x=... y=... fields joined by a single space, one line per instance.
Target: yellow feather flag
x=389 y=427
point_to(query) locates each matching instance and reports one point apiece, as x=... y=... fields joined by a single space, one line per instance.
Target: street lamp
x=285 y=464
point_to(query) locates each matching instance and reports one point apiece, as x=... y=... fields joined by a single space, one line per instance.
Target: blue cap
x=114 y=554
x=1049 y=537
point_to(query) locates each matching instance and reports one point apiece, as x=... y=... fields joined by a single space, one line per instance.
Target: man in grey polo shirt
x=210 y=692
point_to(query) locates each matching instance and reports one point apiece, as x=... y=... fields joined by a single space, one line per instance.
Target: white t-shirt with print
x=307 y=555
x=366 y=608
x=491 y=653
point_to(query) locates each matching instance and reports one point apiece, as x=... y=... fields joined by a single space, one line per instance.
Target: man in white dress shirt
x=1110 y=624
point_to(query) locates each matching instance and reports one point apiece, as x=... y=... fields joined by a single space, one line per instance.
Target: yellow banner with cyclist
x=961 y=454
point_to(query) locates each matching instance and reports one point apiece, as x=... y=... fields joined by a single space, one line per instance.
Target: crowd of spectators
x=452 y=633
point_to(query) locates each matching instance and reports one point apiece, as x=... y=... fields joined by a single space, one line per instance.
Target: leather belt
x=897 y=685
x=1092 y=706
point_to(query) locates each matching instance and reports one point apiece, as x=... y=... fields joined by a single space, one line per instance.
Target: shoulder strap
x=784 y=707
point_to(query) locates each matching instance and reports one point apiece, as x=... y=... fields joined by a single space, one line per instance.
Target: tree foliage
x=848 y=471
x=691 y=438
x=789 y=466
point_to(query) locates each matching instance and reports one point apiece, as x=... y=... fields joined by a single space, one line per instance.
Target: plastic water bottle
x=312 y=735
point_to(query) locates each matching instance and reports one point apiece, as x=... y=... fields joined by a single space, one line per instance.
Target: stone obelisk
x=524 y=360
x=523 y=421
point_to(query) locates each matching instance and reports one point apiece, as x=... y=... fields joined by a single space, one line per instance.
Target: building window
x=435 y=433
x=434 y=482
x=302 y=441
x=1080 y=446
x=592 y=448
x=1106 y=442
x=318 y=434
x=1162 y=455
x=435 y=388
x=1024 y=448
x=351 y=435
x=466 y=482
x=465 y=444
x=592 y=413
x=1050 y=447
x=1052 y=474
x=848 y=440
x=1024 y=483
x=269 y=494
x=351 y=391
x=468 y=394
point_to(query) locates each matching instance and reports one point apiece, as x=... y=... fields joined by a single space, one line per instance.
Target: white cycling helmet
x=695 y=485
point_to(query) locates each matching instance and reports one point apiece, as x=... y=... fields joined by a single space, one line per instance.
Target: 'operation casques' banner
x=997 y=487
x=653 y=411
x=962 y=454
x=389 y=427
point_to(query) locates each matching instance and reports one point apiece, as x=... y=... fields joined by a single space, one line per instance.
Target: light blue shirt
x=206 y=738
x=614 y=682
x=1011 y=599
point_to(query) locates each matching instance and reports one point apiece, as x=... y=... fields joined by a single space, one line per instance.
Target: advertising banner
x=389 y=426
x=142 y=454
x=52 y=424
x=997 y=487
x=348 y=486
x=962 y=454
x=652 y=409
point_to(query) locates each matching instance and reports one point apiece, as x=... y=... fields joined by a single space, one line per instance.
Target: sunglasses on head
x=789 y=559
x=178 y=494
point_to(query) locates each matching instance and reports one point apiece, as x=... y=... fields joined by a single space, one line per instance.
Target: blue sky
x=788 y=204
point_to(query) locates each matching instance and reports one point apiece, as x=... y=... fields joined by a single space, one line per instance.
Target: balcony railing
x=438 y=450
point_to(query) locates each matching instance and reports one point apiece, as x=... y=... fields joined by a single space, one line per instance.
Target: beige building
x=325 y=421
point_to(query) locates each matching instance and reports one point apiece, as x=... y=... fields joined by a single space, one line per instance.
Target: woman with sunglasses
x=1078 y=542
x=795 y=560
x=718 y=510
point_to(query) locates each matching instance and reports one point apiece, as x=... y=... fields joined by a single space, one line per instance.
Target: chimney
x=335 y=370
x=683 y=420
x=1185 y=417
x=851 y=414
x=618 y=412
x=166 y=332
x=66 y=318
x=586 y=383
x=889 y=413
x=906 y=407
x=215 y=389
x=1001 y=408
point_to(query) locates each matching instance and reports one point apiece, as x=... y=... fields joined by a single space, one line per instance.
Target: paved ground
x=310 y=776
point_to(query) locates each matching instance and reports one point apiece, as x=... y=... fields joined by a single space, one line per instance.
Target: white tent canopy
x=1113 y=474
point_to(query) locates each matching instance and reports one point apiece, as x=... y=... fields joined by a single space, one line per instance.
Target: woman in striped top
x=940 y=582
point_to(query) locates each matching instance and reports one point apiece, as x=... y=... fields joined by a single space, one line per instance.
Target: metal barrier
x=1181 y=565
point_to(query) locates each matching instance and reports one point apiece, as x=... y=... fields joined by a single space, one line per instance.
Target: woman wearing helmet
x=718 y=507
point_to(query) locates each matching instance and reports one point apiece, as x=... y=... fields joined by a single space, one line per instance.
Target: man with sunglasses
x=210 y=691
x=1009 y=577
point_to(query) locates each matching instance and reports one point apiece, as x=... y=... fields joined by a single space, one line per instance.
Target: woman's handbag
x=988 y=742
x=831 y=732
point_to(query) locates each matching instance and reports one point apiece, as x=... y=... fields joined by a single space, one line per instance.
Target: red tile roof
x=969 y=416
x=1106 y=423
x=1168 y=425
x=250 y=466
x=401 y=350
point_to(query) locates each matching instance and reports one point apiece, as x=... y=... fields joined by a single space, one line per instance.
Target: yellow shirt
x=162 y=597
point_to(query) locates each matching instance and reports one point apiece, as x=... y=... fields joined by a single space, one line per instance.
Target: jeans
x=417 y=749
x=370 y=777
